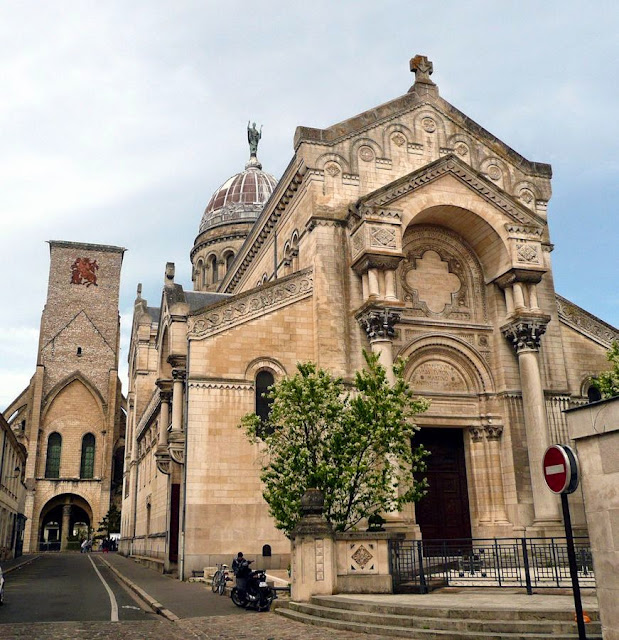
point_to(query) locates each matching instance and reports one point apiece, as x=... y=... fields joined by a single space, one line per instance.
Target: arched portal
x=64 y=522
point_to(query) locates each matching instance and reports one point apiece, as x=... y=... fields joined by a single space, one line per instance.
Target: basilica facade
x=409 y=230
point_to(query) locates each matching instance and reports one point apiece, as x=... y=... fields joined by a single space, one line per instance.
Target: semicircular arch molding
x=264 y=363
x=480 y=225
x=454 y=352
x=74 y=499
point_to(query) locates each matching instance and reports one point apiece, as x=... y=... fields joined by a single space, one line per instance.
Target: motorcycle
x=256 y=592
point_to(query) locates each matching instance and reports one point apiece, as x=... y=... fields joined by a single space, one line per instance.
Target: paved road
x=68 y=587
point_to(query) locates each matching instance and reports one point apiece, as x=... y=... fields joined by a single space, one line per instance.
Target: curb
x=157 y=607
x=21 y=564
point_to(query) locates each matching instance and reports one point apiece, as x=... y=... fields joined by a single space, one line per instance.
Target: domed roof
x=242 y=196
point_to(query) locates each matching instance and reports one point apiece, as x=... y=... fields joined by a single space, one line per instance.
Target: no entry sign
x=560 y=469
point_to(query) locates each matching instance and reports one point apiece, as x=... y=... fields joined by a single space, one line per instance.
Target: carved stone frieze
x=246 y=306
x=383 y=237
x=379 y=323
x=525 y=332
x=528 y=252
x=584 y=322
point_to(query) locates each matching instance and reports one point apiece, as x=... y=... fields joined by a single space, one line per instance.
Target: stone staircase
x=438 y=623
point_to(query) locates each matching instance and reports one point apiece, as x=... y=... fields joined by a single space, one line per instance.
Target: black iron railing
x=532 y=563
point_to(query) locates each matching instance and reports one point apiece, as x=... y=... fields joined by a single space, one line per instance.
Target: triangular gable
x=586 y=323
x=451 y=165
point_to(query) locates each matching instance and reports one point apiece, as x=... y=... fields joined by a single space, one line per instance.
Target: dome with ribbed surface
x=241 y=197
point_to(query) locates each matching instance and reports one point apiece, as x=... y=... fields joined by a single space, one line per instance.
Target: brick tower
x=70 y=417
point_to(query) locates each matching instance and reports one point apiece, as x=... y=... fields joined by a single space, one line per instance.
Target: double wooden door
x=443 y=513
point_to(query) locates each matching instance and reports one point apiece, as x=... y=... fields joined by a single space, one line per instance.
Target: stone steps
x=427 y=623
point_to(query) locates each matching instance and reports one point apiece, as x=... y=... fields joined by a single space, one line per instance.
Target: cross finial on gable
x=422 y=68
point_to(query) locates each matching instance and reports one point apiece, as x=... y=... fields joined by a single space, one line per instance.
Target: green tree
x=608 y=381
x=355 y=444
x=110 y=523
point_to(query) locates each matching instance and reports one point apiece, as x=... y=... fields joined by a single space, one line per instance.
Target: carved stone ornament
x=476 y=434
x=493 y=431
x=527 y=196
x=494 y=172
x=366 y=154
x=428 y=125
x=527 y=253
x=462 y=150
x=383 y=237
x=332 y=169
x=584 y=322
x=422 y=68
x=179 y=374
x=162 y=459
x=379 y=323
x=361 y=556
x=398 y=139
x=525 y=333
x=176 y=450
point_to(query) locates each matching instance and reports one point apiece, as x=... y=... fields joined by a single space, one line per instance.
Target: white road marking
x=113 y=603
x=554 y=469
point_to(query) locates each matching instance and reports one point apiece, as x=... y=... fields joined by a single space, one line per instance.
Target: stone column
x=164 y=417
x=495 y=472
x=390 y=285
x=373 y=287
x=379 y=325
x=66 y=523
x=478 y=458
x=524 y=332
x=177 y=400
x=314 y=568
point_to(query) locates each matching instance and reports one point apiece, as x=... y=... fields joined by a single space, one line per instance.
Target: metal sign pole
x=571 y=556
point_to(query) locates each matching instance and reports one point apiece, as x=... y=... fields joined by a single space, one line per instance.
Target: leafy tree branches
x=608 y=381
x=353 y=444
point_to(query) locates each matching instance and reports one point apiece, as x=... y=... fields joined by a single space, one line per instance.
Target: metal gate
x=532 y=563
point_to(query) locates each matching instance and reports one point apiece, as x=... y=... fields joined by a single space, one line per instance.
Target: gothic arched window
x=52 y=462
x=229 y=261
x=264 y=380
x=87 y=466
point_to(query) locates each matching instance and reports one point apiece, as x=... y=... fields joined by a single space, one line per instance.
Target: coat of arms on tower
x=83 y=271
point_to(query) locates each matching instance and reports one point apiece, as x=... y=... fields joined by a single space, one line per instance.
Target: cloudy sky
x=119 y=119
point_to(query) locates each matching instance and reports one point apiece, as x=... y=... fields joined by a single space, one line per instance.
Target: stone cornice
x=451 y=165
x=148 y=414
x=586 y=323
x=251 y=304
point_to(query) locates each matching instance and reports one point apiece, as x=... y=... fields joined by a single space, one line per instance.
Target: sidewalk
x=16 y=563
x=166 y=595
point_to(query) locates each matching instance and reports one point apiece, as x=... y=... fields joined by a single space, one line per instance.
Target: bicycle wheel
x=221 y=587
x=216 y=579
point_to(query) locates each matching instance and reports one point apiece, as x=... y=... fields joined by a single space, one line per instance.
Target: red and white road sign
x=560 y=469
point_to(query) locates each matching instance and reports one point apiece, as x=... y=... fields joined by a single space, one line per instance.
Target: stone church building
x=71 y=417
x=409 y=230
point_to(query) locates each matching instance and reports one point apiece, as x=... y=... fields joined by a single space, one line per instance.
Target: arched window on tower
x=264 y=380
x=87 y=466
x=212 y=263
x=52 y=462
x=229 y=260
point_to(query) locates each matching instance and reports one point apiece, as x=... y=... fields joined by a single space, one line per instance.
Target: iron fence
x=532 y=563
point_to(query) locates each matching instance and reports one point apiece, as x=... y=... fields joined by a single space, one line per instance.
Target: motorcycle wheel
x=236 y=598
x=265 y=601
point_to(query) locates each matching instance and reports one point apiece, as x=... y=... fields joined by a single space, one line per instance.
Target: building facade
x=70 y=418
x=408 y=230
x=12 y=493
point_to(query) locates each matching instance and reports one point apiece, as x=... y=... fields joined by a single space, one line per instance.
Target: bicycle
x=220 y=577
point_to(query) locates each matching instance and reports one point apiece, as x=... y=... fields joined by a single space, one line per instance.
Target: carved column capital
x=379 y=323
x=179 y=374
x=525 y=332
x=476 y=434
x=493 y=431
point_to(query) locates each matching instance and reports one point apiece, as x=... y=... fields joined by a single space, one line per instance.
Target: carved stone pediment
x=515 y=211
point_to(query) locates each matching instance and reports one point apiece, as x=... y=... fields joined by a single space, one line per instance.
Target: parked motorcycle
x=252 y=589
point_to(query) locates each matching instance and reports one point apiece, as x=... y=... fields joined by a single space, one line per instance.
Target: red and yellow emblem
x=84 y=271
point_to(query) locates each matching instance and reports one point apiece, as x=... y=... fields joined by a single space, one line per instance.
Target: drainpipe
x=181 y=572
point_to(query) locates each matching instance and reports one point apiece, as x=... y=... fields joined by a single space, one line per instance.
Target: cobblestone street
x=262 y=626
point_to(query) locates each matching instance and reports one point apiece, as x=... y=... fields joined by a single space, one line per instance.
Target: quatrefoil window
x=433 y=281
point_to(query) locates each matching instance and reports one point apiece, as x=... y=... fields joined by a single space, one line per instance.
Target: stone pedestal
x=313 y=551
